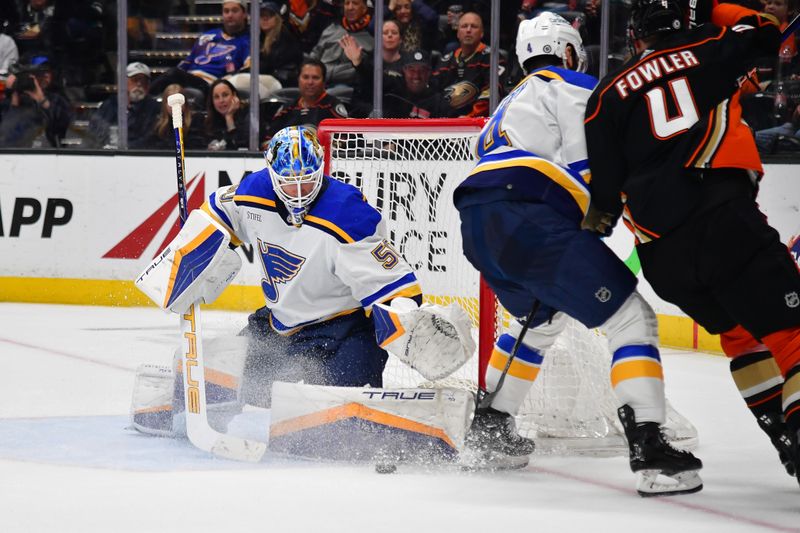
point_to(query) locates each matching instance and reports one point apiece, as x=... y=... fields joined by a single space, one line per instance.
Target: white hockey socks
x=636 y=373
x=525 y=367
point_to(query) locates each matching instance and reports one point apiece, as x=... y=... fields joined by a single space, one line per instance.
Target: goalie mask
x=549 y=34
x=295 y=159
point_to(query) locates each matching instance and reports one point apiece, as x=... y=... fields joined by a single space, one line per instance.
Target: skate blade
x=652 y=483
x=487 y=461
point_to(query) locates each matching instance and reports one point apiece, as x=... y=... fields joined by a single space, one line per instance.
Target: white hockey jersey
x=533 y=141
x=543 y=115
x=338 y=261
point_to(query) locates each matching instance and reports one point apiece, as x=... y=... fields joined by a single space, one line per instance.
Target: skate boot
x=492 y=442
x=652 y=455
x=772 y=424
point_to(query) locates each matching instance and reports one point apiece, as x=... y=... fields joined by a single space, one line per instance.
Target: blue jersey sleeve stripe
x=388 y=290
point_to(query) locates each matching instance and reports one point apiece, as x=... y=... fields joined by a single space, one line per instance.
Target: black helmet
x=649 y=17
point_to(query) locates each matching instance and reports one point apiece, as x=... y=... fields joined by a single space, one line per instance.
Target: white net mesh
x=409 y=172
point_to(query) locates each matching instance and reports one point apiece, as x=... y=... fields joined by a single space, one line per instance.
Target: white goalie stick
x=200 y=433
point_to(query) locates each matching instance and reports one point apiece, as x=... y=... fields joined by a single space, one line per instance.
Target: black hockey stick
x=485 y=398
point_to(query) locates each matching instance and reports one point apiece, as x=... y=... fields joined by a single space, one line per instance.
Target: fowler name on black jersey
x=671 y=111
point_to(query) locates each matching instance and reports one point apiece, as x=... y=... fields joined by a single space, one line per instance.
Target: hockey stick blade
x=791 y=28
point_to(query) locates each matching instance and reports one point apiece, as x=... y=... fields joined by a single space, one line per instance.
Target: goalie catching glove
x=195 y=267
x=433 y=340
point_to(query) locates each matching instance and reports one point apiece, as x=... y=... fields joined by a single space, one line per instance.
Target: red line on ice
x=66 y=354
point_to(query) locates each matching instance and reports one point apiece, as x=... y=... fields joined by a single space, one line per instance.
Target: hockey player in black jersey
x=670 y=153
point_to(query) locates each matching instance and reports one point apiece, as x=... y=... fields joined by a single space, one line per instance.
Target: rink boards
x=78 y=228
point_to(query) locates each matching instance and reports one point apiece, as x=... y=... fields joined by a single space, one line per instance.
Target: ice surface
x=67 y=463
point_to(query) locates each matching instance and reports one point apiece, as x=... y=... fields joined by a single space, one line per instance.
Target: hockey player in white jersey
x=521 y=209
x=329 y=276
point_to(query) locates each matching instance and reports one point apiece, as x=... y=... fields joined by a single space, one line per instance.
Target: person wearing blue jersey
x=216 y=53
x=521 y=209
x=329 y=275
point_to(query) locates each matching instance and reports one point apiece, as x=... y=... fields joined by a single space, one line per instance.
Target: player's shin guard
x=525 y=367
x=493 y=428
x=760 y=383
x=785 y=347
x=636 y=373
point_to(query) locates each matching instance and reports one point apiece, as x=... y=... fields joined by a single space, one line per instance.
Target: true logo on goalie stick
x=191 y=384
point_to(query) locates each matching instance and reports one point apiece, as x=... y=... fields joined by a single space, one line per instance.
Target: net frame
x=574 y=414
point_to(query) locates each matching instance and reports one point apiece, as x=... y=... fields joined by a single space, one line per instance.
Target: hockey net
x=408 y=169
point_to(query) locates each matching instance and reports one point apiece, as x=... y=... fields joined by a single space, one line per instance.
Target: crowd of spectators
x=316 y=60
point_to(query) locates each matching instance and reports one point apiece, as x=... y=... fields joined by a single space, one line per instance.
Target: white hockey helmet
x=549 y=34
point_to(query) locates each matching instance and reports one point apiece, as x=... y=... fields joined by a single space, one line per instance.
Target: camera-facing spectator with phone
x=34 y=115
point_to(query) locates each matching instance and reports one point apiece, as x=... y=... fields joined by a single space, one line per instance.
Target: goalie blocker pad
x=195 y=267
x=363 y=424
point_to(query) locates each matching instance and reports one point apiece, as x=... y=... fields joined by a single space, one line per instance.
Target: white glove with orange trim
x=195 y=267
x=434 y=340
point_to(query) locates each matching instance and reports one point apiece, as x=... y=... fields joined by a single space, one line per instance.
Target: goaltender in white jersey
x=328 y=274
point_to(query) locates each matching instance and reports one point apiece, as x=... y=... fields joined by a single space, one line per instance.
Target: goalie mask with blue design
x=295 y=159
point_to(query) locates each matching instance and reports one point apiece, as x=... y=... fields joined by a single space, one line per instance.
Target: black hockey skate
x=492 y=442
x=772 y=424
x=652 y=455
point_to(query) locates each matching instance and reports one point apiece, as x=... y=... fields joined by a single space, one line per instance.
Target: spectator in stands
x=143 y=112
x=9 y=54
x=78 y=43
x=329 y=50
x=34 y=33
x=309 y=18
x=145 y=18
x=162 y=136
x=464 y=74
x=34 y=115
x=448 y=28
x=216 y=53
x=280 y=53
x=783 y=10
x=414 y=98
x=418 y=24
x=393 y=60
x=227 y=124
x=314 y=104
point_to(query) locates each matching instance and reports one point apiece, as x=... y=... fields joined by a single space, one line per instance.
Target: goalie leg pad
x=434 y=340
x=151 y=406
x=158 y=408
x=196 y=266
x=349 y=423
